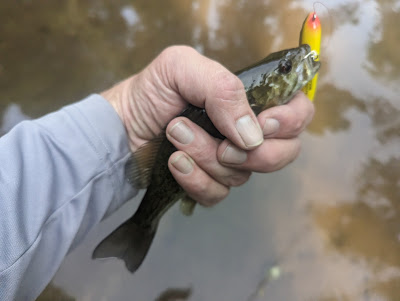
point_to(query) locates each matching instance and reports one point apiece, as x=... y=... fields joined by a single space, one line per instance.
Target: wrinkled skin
x=150 y=100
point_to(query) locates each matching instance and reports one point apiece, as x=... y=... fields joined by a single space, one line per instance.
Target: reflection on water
x=331 y=112
x=52 y=293
x=329 y=223
x=383 y=51
x=386 y=120
x=175 y=294
x=367 y=229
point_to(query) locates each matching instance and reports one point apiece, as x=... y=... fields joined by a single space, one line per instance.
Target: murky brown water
x=328 y=226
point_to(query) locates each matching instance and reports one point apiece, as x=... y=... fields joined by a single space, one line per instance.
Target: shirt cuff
x=110 y=141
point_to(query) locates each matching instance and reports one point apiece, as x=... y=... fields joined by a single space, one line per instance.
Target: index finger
x=207 y=84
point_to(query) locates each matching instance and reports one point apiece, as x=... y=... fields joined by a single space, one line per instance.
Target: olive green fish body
x=131 y=240
x=163 y=190
x=270 y=82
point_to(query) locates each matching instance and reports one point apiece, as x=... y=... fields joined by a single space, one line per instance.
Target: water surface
x=328 y=225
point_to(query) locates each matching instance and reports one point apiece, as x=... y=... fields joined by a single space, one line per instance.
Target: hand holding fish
x=217 y=140
x=205 y=166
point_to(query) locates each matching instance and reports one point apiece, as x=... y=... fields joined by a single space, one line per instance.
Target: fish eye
x=285 y=66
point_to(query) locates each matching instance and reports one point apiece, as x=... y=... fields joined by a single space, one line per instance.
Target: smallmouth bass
x=270 y=82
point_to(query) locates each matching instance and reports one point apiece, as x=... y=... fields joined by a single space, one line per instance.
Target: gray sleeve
x=59 y=176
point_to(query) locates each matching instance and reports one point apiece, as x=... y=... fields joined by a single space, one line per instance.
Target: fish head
x=276 y=79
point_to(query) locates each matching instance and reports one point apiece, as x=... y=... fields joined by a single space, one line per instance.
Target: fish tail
x=129 y=242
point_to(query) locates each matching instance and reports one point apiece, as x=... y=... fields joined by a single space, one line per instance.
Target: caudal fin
x=128 y=242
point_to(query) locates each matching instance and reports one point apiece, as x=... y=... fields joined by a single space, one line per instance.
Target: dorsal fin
x=139 y=167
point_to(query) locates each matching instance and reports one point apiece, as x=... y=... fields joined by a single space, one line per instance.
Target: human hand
x=206 y=167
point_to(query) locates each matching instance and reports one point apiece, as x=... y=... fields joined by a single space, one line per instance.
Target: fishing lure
x=311 y=34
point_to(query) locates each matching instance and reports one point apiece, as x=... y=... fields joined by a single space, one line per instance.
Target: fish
x=270 y=82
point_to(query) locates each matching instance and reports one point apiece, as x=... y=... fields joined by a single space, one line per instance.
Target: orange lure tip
x=312 y=22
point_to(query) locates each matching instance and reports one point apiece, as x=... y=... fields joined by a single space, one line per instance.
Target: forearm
x=59 y=176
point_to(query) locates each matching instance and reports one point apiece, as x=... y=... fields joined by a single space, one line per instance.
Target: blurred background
x=327 y=227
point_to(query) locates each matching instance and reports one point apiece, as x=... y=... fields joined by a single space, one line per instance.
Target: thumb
x=207 y=84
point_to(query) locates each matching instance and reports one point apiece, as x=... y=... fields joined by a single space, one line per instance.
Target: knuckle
x=277 y=160
x=237 y=179
x=295 y=153
x=297 y=150
x=220 y=196
x=227 y=86
x=207 y=192
x=203 y=150
x=176 y=51
x=200 y=152
x=311 y=108
x=311 y=112
x=214 y=198
x=172 y=54
x=272 y=161
x=308 y=108
x=227 y=80
x=199 y=188
x=300 y=114
x=297 y=126
x=294 y=122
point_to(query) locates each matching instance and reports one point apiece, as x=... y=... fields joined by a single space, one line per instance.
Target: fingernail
x=249 y=131
x=181 y=133
x=234 y=155
x=182 y=164
x=271 y=126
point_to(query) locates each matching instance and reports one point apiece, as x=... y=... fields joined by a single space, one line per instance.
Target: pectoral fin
x=139 y=167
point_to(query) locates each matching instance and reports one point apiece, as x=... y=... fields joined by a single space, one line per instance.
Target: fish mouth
x=314 y=65
x=311 y=57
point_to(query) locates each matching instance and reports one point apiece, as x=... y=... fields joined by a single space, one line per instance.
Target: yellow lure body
x=311 y=34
